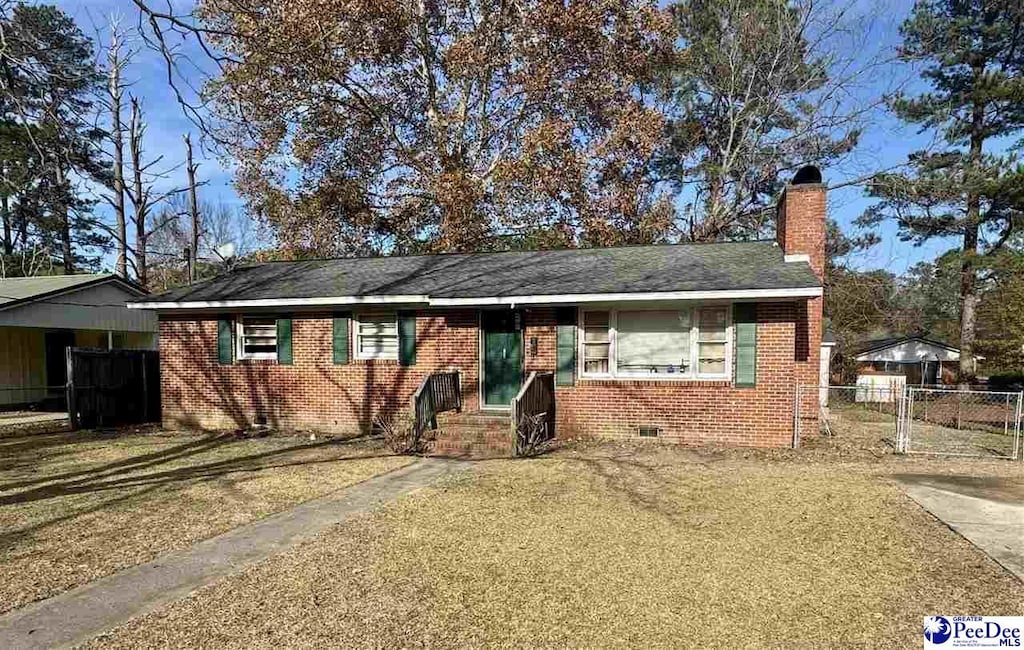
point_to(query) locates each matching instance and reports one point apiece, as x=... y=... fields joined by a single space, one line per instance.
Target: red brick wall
x=801 y=224
x=801 y=230
x=315 y=394
x=691 y=412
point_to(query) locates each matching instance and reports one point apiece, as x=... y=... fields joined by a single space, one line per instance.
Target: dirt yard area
x=77 y=506
x=617 y=545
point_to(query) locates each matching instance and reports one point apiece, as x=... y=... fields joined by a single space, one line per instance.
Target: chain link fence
x=914 y=420
x=861 y=414
x=971 y=423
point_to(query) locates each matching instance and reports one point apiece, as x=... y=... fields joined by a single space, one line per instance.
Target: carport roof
x=16 y=291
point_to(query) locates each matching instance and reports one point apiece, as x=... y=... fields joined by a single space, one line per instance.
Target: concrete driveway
x=989 y=511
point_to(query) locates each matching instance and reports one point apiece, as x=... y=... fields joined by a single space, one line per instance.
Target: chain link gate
x=914 y=420
x=963 y=423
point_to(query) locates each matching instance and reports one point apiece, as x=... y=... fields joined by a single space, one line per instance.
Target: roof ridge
x=530 y=250
x=61 y=275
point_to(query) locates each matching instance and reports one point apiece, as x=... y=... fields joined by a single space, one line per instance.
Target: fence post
x=1006 y=421
x=796 y=419
x=1016 y=424
x=69 y=388
x=899 y=420
x=959 y=409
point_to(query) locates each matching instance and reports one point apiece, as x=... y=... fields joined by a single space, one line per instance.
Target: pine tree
x=973 y=56
x=751 y=98
x=49 y=81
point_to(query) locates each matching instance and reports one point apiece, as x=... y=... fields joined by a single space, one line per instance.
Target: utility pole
x=193 y=209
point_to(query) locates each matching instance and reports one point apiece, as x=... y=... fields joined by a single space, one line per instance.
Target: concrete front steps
x=471 y=435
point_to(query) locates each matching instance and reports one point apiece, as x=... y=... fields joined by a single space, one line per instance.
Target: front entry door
x=503 y=357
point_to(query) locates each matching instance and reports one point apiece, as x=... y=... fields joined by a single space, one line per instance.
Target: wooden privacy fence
x=533 y=413
x=112 y=387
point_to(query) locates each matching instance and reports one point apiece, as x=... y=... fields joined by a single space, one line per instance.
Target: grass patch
x=612 y=545
x=77 y=506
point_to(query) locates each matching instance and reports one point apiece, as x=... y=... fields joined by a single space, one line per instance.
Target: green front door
x=503 y=357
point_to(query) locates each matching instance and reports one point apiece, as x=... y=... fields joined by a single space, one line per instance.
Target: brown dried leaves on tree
x=412 y=126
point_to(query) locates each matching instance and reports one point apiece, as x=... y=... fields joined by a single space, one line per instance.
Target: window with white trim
x=596 y=343
x=377 y=336
x=712 y=340
x=257 y=338
x=681 y=343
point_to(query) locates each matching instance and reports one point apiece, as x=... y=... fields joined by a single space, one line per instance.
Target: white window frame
x=359 y=354
x=240 y=353
x=692 y=375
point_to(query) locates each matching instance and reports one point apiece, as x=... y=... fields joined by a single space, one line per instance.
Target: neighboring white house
x=42 y=316
x=921 y=360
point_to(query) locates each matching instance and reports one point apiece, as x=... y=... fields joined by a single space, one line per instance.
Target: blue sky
x=166 y=121
x=885 y=142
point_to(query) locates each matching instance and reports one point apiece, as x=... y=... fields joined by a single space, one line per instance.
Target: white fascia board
x=730 y=294
x=324 y=301
x=555 y=299
x=797 y=257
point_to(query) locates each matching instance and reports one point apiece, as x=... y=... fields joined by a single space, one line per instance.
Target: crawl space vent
x=649 y=432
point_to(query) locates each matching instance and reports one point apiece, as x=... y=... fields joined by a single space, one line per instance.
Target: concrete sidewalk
x=80 y=614
x=988 y=512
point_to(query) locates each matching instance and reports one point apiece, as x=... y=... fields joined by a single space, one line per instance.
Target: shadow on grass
x=123 y=477
x=107 y=478
x=133 y=464
x=636 y=481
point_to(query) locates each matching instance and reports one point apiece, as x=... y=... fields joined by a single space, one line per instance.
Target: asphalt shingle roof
x=628 y=269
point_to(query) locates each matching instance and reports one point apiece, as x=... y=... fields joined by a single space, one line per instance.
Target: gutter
x=510 y=301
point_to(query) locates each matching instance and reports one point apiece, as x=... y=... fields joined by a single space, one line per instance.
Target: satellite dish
x=225 y=251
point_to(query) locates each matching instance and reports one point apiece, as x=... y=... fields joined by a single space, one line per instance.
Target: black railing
x=438 y=392
x=533 y=413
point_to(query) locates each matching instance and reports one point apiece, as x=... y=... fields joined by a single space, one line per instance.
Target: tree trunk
x=968 y=260
x=712 y=226
x=64 y=219
x=193 y=208
x=22 y=213
x=968 y=303
x=121 y=266
x=140 y=202
x=5 y=215
x=115 y=90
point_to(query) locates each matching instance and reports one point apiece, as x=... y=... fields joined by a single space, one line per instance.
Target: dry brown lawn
x=615 y=545
x=77 y=506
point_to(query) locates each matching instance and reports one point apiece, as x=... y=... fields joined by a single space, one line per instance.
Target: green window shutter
x=566 y=347
x=341 y=338
x=284 y=341
x=745 y=323
x=225 y=353
x=407 y=338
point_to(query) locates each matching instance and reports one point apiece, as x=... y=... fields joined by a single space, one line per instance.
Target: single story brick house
x=701 y=343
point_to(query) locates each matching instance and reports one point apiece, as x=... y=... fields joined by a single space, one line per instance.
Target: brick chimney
x=800 y=228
